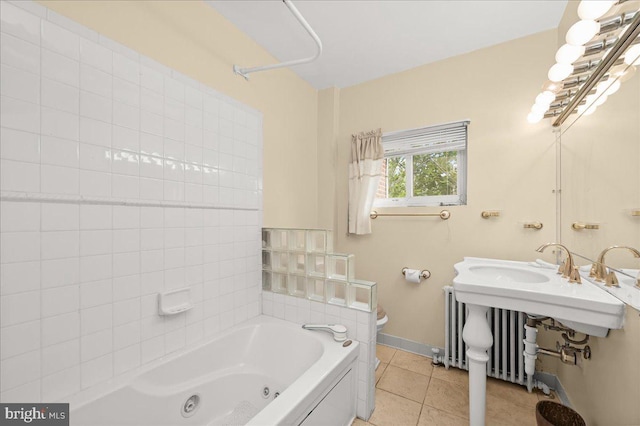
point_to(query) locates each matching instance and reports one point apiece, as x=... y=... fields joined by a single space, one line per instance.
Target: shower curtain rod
x=245 y=71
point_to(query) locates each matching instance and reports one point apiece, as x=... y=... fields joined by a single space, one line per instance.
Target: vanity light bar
x=557 y=100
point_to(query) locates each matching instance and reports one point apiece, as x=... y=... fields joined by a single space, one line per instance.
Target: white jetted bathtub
x=262 y=372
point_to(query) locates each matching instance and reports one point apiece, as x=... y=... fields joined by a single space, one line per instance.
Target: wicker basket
x=549 y=413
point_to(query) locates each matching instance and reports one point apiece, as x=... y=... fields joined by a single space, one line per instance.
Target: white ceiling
x=363 y=40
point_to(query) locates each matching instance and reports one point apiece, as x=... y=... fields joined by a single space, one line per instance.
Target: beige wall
x=511 y=168
x=193 y=38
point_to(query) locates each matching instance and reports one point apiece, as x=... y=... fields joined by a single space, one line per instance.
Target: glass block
x=316 y=265
x=297 y=263
x=298 y=239
x=266 y=280
x=266 y=259
x=280 y=261
x=297 y=285
x=279 y=238
x=362 y=295
x=340 y=266
x=336 y=292
x=315 y=289
x=319 y=241
x=278 y=282
x=266 y=238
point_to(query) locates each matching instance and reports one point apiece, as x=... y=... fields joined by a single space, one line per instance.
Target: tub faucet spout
x=339 y=331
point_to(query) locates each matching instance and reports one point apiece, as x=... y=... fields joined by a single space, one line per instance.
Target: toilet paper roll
x=412 y=275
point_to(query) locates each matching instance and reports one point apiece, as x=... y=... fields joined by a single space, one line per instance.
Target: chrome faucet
x=568 y=269
x=339 y=331
x=599 y=269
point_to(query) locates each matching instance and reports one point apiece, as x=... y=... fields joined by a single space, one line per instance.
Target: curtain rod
x=245 y=71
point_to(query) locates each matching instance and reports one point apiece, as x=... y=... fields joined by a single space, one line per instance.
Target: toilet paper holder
x=424 y=274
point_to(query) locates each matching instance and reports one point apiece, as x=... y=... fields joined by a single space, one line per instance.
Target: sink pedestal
x=477 y=335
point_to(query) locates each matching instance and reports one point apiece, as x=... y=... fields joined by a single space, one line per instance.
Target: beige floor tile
x=511 y=392
x=394 y=410
x=360 y=422
x=405 y=383
x=454 y=375
x=433 y=417
x=448 y=396
x=501 y=412
x=385 y=353
x=380 y=371
x=416 y=363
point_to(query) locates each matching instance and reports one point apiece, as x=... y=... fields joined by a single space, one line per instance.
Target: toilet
x=380 y=323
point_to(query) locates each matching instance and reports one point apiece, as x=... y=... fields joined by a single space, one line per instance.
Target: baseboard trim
x=548 y=379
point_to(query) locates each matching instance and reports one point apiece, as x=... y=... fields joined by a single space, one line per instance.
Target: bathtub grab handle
x=339 y=331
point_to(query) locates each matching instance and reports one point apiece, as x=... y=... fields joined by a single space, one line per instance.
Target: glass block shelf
x=301 y=263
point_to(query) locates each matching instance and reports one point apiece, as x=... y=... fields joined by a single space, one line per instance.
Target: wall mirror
x=600 y=183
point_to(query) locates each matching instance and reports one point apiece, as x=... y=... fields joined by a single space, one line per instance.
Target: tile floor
x=411 y=392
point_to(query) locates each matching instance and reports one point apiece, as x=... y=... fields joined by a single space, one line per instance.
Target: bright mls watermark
x=34 y=414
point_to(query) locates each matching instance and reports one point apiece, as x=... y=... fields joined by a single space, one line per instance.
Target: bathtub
x=262 y=372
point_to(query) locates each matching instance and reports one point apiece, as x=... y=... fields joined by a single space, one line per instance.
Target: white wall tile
x=18 y=216
x=61 y=384
x=20 y=115
x=96 y=293
x=59 y=180
x=18 y=84
x=96 y=319
x=20 y=23
x=19 y=339
x=59 y=244
x=59 y=152
x=95 y=132
x=60 y=300
x=60 y=40
x=60 y=68
x=96 y=345
x=96 y=119
x=97 y=82
x=20 y=369
x=60 y=96
x=96 y=107
x=19 y=277
x=96 y=371
x=19 y=246
x=60 y=272
x=26 y=392
x=60 y=124
x=95 y=55
x=60 y=357
x=19 y=146
x=19 y=53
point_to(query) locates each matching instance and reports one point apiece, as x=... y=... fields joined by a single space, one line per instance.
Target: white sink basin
x=627 y=292
x=508 y=274
x=537 y=290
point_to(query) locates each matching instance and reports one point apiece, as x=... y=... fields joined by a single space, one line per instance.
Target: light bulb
x=581 y=32
x=552 y=86
x=590 y=110
x=602 y=99
x=568 y=54
x=545 y=98
x=539 y=108
x=592 y=9
x=613 y=88
x=559 y=72
x=632 y=55
x=534 y=118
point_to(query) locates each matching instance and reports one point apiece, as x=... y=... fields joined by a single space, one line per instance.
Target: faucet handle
x=574 y=276
x=611 y=280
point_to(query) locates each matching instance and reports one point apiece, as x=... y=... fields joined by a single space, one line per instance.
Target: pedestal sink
x=526 y=287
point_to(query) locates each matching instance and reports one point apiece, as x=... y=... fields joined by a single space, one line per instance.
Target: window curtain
x=365 y=168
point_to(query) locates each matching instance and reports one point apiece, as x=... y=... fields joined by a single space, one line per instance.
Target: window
x=424 y=167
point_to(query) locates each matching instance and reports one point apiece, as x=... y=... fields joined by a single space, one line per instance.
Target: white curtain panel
x=365 y=168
